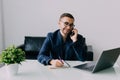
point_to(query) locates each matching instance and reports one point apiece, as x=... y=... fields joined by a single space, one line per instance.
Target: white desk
x=33 y=70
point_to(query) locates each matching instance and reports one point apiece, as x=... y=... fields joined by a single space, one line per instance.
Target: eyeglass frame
x=68 y=24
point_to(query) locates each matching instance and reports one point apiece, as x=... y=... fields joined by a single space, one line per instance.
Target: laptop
x=106 y=60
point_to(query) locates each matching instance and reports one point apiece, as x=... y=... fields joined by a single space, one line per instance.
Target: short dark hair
x=67 y=15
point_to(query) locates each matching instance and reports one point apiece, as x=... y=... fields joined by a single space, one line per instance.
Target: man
x=63 y=44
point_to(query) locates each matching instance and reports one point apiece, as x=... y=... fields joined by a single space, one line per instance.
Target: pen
x=61 y=60
x=67 y=64
x=64 y=61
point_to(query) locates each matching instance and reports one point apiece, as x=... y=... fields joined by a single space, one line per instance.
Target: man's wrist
x=74 y=40
x=51 y=62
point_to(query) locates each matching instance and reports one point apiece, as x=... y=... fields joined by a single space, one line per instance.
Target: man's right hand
x=56 y=63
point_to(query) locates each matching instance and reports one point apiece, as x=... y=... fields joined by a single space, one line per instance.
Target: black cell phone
x=72 y=33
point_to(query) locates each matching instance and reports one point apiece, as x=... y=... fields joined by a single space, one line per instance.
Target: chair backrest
x=32 y=46
x=33 y=43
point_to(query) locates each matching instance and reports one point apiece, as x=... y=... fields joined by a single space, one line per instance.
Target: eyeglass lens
x=68 y=24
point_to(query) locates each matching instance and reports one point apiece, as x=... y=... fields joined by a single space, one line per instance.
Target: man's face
x=66 y=25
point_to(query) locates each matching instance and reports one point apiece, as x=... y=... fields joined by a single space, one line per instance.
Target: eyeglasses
x=68 y=24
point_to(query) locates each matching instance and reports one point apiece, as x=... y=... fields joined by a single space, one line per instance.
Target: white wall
x=97 y=20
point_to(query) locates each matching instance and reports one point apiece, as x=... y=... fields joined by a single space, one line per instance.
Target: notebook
x=106 y=60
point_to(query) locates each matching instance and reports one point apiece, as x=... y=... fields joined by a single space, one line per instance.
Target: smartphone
x=72 y=33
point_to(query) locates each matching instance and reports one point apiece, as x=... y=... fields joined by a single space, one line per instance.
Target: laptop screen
x=107 y=59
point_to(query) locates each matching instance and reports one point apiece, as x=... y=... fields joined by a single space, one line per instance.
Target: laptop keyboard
x=86 y=66
x=90 y=68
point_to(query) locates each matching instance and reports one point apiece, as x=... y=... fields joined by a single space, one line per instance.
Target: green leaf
x=12 y=55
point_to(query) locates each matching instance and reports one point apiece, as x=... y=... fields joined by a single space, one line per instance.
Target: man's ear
x=58 y=22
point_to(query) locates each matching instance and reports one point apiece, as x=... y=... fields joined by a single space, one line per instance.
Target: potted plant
x=12 y=57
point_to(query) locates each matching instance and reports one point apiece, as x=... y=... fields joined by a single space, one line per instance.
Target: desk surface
x=33 y=70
